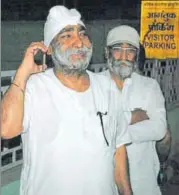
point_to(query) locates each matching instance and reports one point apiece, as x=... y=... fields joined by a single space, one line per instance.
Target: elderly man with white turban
x=144 y=107
x=69 y=118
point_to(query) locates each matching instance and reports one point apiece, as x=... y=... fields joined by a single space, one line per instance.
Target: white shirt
x=65 y=151
x=143 y=92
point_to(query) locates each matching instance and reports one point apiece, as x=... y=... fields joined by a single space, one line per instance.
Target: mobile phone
x=40 y=58
x=44 y=59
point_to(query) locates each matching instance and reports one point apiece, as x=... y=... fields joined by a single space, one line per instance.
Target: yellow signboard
x=160 y=29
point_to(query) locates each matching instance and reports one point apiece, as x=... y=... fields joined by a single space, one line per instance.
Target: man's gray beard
x=123 y=71
x=63 y=63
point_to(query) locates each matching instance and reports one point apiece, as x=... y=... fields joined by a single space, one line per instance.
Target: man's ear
x=106 y=52
x=49 y=52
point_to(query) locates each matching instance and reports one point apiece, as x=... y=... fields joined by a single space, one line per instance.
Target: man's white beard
x=63 y=61
x=121 y=70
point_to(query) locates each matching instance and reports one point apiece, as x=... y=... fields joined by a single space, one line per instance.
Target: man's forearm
x=122 y=172
x=123 y=184
x=13 y=107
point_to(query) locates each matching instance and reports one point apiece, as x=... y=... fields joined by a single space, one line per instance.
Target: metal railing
x=11 y=158
x=9 y=76
x=166 y=72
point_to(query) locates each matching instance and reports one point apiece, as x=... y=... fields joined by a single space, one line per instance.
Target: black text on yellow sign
x=160 y=29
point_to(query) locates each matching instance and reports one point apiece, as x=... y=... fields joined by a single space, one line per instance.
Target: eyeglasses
x=129 y=51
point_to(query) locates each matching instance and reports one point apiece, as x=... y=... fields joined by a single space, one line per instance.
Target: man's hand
x=138 y=115
x=28 y=65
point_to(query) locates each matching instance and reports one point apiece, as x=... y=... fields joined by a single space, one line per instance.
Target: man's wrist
x=124 y=190
x=127 y=192
x=21 y=78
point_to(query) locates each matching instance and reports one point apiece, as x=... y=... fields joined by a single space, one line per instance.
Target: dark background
x=90 y=9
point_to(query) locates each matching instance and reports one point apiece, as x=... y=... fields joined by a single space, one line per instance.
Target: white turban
x=123 y=34
x=59 y=17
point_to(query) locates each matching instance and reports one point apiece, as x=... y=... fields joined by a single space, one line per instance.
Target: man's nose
x=123 y=55
x=77 y=41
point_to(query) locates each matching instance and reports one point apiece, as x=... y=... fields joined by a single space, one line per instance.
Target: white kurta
x=143 y=92
x=65 y=152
